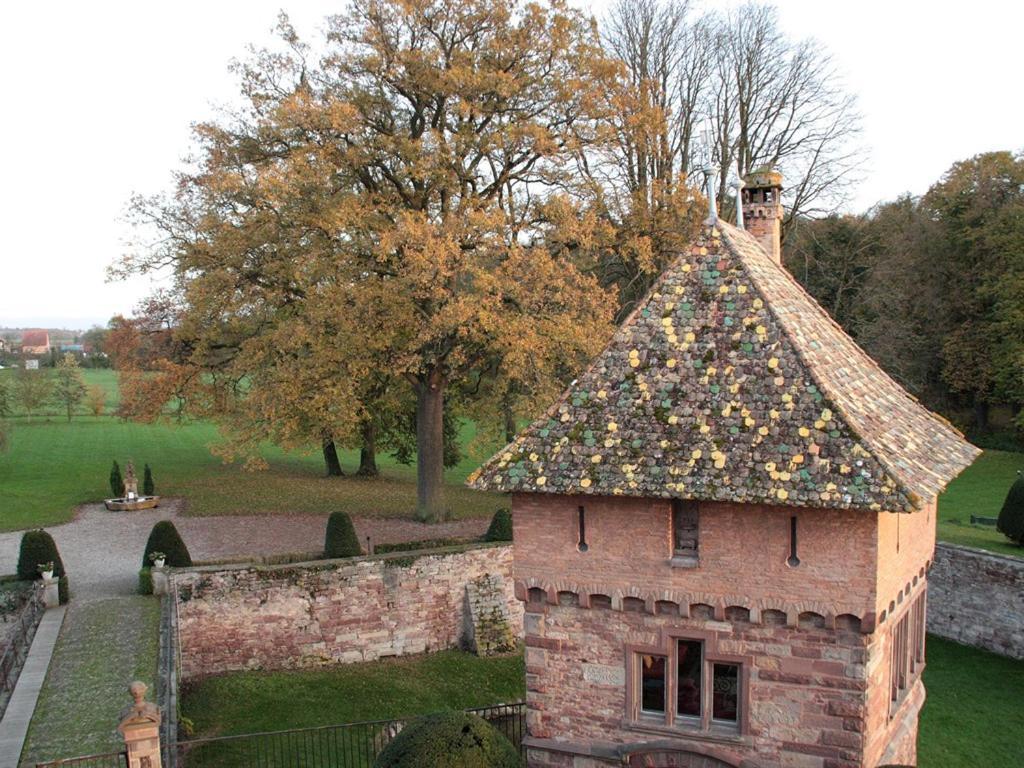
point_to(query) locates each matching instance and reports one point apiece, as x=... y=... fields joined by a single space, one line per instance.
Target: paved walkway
x=102 y=551
x=14 y=727
x=96 y=657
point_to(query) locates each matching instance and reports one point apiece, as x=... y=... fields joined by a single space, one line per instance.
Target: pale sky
x=98 y=99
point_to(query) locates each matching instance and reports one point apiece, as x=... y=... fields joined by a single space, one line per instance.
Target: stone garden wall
x=977 y=598
x=340 y=611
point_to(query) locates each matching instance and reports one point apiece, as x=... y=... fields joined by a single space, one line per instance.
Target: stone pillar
x=161 y=581
x=140 y=727
x=51 y=592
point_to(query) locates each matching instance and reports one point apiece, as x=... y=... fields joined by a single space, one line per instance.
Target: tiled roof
x=730 y=383
x=35 y=339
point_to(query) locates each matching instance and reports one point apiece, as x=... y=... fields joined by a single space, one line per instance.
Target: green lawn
x=250 y=702
x=974 y=715
x=980 y=490
x=103 y=646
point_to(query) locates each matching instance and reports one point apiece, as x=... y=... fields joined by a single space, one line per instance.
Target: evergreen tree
x=148 y=488
x=165 y=538
x=500 y=528
x=341 y=539
x=116 y=481
x=1011 y=516
x=38 y=548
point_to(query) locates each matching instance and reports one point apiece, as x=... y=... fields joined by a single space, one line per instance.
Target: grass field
x=103 y=645
x=52 y=466
x=980 y=490
x=973 y=716
x=250 y=702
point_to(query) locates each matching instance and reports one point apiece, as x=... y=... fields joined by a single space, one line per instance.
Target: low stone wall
x=328 y=612
x=977 y=598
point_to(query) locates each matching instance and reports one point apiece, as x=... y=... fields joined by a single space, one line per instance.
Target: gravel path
x=102 y=551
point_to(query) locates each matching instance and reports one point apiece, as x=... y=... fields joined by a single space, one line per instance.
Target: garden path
x=102 y=551
x=110 y=634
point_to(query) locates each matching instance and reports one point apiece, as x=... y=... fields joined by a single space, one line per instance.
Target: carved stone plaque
x=602 y=674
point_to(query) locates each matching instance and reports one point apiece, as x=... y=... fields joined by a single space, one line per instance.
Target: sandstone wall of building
x=977 y=598
x=743 y=555
x=329 y=612
x=806 y=691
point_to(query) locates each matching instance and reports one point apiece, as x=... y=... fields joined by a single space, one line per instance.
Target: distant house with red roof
x=35 y=342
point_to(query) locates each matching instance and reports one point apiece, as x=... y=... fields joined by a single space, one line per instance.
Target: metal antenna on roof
x=736 y=184
x=710 y=173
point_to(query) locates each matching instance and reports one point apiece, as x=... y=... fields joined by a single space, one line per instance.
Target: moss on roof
x=730 y=383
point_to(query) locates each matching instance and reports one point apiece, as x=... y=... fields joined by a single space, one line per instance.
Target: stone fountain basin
x=133 y=505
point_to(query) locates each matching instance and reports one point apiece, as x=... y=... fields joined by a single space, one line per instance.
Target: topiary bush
x=500 y=528
x=148 y=488
x=340 y=539
x=145 y=581
x=38 y=547
x=165 y=538
x=1011 y=516
x=449 y=740
x=116 y=482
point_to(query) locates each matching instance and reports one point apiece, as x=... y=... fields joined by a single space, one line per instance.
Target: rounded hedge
x=38 y=547
x=449 y=740
x=341 y=539
x=500 y=528
x=1011 y=516
x=165 y=538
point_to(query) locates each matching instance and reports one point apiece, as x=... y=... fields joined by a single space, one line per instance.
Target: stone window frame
x=907 y=650
x=666 y=645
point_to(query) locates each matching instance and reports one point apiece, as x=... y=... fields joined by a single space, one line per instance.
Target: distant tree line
x=933 y=287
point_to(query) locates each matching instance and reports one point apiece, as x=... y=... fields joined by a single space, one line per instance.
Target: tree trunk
x=980 y=414
x=331 y=458
x=368 y=450
x=430 y=449
x=510 y=424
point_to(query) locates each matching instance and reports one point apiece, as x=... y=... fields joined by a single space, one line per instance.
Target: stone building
x=723 y=530
x=35 y=342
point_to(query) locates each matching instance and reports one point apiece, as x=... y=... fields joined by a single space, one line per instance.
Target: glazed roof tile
x=730 y=383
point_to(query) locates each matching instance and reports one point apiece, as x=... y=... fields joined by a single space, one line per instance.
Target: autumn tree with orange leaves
x=377 y=216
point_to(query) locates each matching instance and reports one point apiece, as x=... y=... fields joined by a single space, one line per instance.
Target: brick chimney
x=762 y=209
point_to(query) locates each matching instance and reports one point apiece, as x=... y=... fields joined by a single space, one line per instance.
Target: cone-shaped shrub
x=500 y=528
x=340 y=539
x=148 y=489
x=1011 y=516
x=449 y=740
x=164 y=538
x=38 y=547
x=116 y=481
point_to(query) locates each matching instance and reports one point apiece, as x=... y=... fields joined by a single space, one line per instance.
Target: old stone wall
x=977 y=598
x=329 y=612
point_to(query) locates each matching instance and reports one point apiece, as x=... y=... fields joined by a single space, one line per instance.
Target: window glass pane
x=726 y=689
x=652 y=682
x=689 y=679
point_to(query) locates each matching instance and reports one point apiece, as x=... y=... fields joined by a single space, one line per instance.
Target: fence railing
x=109 y=760
x=19 y=639
x=351 y=745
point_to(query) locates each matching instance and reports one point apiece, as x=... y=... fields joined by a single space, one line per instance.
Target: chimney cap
x=763 y=177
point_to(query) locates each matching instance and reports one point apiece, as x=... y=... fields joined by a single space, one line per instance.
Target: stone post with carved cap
x=140 y=727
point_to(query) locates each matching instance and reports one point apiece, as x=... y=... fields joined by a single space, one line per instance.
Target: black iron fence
x=352 y=745
x=109 y=760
